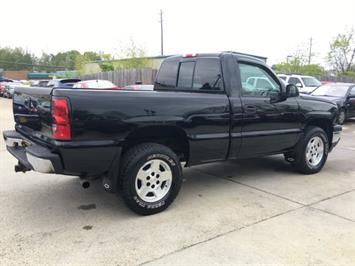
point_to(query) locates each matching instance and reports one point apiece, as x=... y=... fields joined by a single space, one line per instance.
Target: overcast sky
x=270 y=28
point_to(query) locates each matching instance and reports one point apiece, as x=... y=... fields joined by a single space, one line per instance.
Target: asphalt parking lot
x=238 y=212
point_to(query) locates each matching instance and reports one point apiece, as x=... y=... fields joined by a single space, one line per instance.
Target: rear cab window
x=167 y=74
x=208 y=75
x=186 y=73
x=194 y=75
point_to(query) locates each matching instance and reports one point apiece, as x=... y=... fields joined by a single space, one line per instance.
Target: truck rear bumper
x=30 y=155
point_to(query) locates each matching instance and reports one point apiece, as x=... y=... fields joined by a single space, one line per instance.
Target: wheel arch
x=171 y=136
x=325 y=124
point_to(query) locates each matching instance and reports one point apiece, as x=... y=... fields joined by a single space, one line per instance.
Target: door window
x=263 y=84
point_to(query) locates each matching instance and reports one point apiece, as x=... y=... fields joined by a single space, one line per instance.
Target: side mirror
x=292 y=91
x=299 y=85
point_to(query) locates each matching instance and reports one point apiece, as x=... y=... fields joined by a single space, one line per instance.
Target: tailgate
x=32 y=111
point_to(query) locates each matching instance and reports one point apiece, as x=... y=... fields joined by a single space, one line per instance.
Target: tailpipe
x=84 y=183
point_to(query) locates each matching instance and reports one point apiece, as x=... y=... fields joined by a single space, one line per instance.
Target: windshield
x=311 y=82
x=331 y=90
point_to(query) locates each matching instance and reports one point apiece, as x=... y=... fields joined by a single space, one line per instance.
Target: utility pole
x=310 y=50
x=161 y=34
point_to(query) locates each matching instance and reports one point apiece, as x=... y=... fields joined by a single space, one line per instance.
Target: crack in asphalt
x=221 y=235
x=332 y=213
x=310 y=205
x=347 y=148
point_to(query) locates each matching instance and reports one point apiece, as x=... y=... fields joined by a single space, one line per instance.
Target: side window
x=186 y=73
x=208 y=75
x=352 y=92
x=167 y=74
x=265 y=85
x=294 y=81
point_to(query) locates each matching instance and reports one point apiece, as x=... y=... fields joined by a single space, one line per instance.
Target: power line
x=32 y=65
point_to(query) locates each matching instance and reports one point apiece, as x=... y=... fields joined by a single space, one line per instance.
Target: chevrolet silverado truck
x=203 y=109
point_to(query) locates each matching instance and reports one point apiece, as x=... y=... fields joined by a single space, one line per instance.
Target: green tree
x=107 y=64
x=84 y=63
x=132 y=56
x=66 y=59
x=298 y=64
x=16 y=59
x=342 y=53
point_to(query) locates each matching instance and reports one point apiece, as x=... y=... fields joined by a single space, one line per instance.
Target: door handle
x=250 y=109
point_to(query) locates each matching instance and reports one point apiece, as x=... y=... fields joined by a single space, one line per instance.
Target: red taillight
x=61 y=122
x=115 y=87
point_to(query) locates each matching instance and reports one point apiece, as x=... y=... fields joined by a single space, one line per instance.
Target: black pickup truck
x=204 y=108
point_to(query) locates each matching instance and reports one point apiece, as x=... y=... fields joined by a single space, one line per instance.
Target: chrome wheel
x=153 y=180
x=314 y=151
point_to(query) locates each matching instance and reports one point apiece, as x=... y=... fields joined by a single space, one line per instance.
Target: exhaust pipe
x=85 y=183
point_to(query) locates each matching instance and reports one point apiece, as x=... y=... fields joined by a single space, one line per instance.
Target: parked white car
x=260 y=82
x=305 y=84
x=95 y=84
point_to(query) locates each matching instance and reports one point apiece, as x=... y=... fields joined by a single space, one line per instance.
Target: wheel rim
x=153 y=180
x=314 y=151
x=341 y=118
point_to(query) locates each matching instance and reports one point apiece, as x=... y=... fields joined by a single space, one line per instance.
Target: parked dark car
x=201 y=110
x=5 y=80
x=342 y=94
x=62 y=83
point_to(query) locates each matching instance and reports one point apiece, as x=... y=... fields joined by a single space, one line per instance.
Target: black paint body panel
x=217 y=126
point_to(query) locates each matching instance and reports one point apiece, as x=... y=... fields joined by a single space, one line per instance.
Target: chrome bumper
x=39 y=164
x=31 y=156
x=336 y=134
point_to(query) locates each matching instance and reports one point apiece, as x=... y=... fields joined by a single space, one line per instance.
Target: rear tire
x=311 y=152
x=150 y=179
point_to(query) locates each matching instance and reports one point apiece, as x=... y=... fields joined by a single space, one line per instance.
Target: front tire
x=311 y=152
x=151 y=177
x=341 y=117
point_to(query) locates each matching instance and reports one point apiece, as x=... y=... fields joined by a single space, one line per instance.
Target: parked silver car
x=10 y=88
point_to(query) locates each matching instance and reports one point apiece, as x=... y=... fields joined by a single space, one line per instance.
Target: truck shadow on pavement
x=65 y=195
